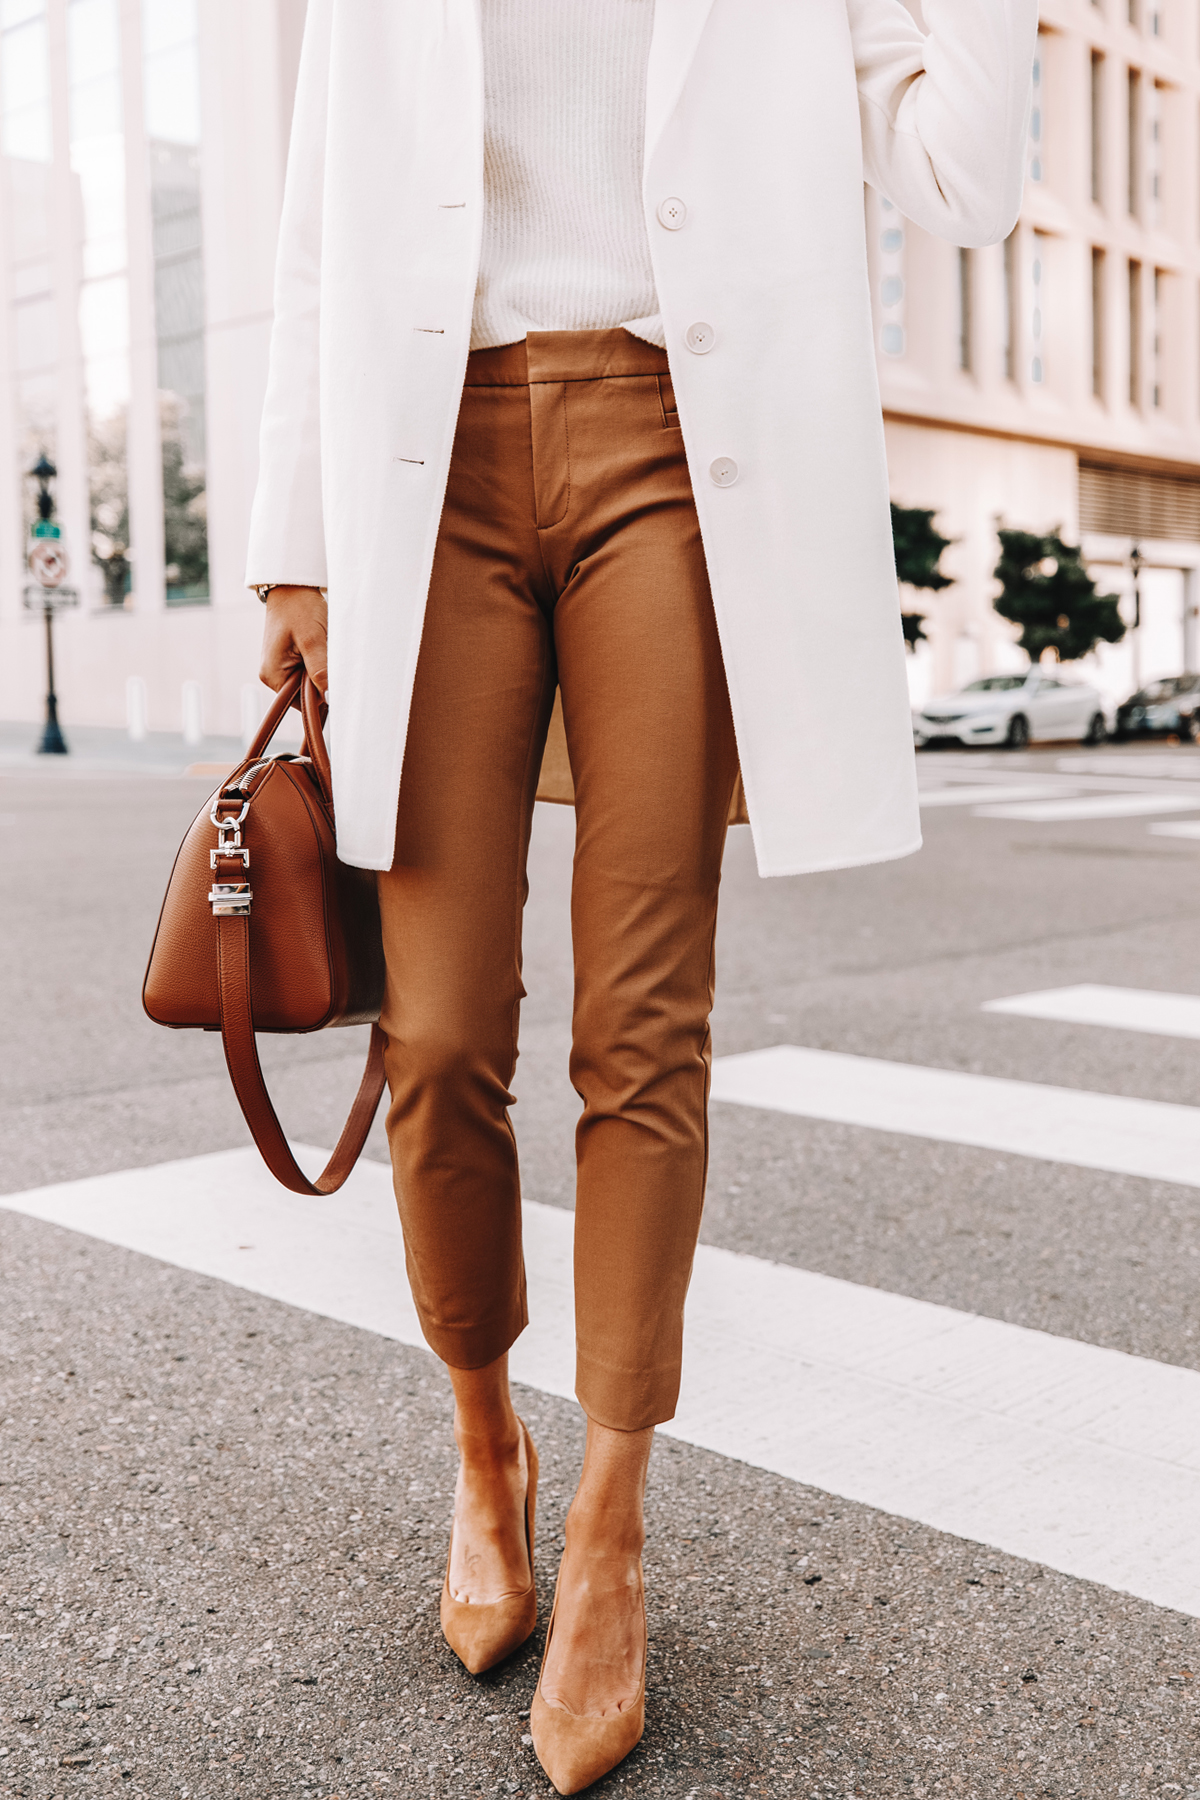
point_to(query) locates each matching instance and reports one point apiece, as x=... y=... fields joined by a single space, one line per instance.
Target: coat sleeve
x=287 y=533
x=945 y=113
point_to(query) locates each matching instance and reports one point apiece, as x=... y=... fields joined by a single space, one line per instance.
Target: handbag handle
x=234 y=991
x=313 y=711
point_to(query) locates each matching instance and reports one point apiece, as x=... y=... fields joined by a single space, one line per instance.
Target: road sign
x=36 y=598
x=48 y=561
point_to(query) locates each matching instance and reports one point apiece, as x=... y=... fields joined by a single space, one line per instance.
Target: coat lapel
x=677 y=28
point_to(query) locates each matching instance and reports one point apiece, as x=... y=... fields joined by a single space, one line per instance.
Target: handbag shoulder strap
x=245 y=1072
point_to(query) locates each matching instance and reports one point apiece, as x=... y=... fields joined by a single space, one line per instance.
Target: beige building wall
x=245 y=59
x=1053 y=383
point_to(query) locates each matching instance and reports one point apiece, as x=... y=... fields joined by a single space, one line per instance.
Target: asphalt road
x=223 y=1520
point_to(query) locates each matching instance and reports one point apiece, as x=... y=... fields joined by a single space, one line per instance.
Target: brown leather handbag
x=263 y=929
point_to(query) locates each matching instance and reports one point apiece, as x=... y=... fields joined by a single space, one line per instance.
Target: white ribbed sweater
x=564 y=234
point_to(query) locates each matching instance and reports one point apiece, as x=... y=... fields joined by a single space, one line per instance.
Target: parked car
x=1171 y=705
x=1014 y=710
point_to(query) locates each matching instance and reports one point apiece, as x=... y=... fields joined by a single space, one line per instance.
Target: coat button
x=671 y=213
x=724 y=471
x=700 y=338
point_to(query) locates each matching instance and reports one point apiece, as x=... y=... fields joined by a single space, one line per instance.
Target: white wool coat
x=764 y=117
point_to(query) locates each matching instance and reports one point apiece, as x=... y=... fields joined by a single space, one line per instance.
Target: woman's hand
x=294 y=633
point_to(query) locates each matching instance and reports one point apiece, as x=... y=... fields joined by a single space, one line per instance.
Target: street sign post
x=49 y=565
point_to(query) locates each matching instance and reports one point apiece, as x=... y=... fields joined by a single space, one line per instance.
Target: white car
x=1015 y=710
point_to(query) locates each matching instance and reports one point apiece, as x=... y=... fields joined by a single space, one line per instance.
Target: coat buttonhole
x=418 y=460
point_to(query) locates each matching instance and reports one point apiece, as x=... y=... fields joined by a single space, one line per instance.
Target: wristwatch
x=263 y=588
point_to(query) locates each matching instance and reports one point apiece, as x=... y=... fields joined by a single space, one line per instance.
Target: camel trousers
x=569 y=554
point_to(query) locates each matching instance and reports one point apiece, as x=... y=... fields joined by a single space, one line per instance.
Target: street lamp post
x=48 y=565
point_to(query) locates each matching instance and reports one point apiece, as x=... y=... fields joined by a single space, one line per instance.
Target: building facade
x=1053 y=382
x=1049 y=383
x=143 y=146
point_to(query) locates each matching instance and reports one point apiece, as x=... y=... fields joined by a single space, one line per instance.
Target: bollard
x=135 y=707
x=193 y=717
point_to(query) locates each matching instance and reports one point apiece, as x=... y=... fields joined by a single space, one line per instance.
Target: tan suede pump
x=576 y=1749
x=482 y=1635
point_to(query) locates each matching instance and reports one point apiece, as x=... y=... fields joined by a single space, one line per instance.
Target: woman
x=572 y=387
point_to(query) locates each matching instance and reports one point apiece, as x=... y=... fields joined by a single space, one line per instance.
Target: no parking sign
x=48 y=561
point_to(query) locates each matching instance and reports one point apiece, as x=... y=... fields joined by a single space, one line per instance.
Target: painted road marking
x=1127 y=1008
x=1177 y=828
x=1183 y=768
x=1081 y=1458
x=1152 y=1138
x=1130 y=1009
x=971 y=795
x=1092 y=806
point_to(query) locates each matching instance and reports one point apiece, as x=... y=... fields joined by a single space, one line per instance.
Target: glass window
x=1098 y=273
x=1097 y=124
x=964 y=298
x=98 y=165
x=1008 y=350
x=26 y=195
x=1037 y=307
x=1133 y=137
x=25 y=81
x=172 y=98
x=995 y=684
x=1135 y=333
x=1036 y=118
x=891 y=280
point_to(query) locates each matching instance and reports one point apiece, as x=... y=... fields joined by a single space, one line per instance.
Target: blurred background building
x=143 y=152
x=1049 y=383
x=1053 y=381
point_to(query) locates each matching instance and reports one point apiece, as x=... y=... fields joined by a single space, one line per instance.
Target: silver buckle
x=230 y=899
x=229 y=831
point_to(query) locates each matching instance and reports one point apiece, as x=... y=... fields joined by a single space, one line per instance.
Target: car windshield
x=994 y=684
x=1157 y=690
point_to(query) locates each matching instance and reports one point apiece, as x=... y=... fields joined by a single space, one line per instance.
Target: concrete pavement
x=226 y=1516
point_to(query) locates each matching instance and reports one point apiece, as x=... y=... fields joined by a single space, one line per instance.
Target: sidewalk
x=104 y=750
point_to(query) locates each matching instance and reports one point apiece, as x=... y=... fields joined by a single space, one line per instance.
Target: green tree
x=918 y=549
x=185 y=520
x=1046 y=590
x=108 y=486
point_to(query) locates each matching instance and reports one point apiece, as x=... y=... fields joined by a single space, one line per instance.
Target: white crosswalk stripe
x=1092 y=806
x=1153 y=1139
x=1077 y=1457
x=1178 y=828
x=1130 y=1009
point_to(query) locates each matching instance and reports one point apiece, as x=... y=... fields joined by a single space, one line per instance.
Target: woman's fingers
x=294 y=632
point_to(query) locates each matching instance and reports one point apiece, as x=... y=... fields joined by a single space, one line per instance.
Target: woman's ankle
x=594 y=1528
x=488 y=1443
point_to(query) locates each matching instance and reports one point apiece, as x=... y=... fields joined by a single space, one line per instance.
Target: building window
x=891 y=281
x=1037 y=308
x=1098 y=272
x=1009 y=308
x=170 y=30
x=98 y=165
x=27 y=138
x=1135 y=333
x=1156 y=342
x=1036 y=118
x=1097 y=124
x=1152 y=126
x=965 y=348
x=1133 y=139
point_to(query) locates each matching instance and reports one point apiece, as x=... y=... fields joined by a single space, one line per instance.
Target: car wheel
x=1097 y=730
x=1018 y=732
x=1189 y=728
